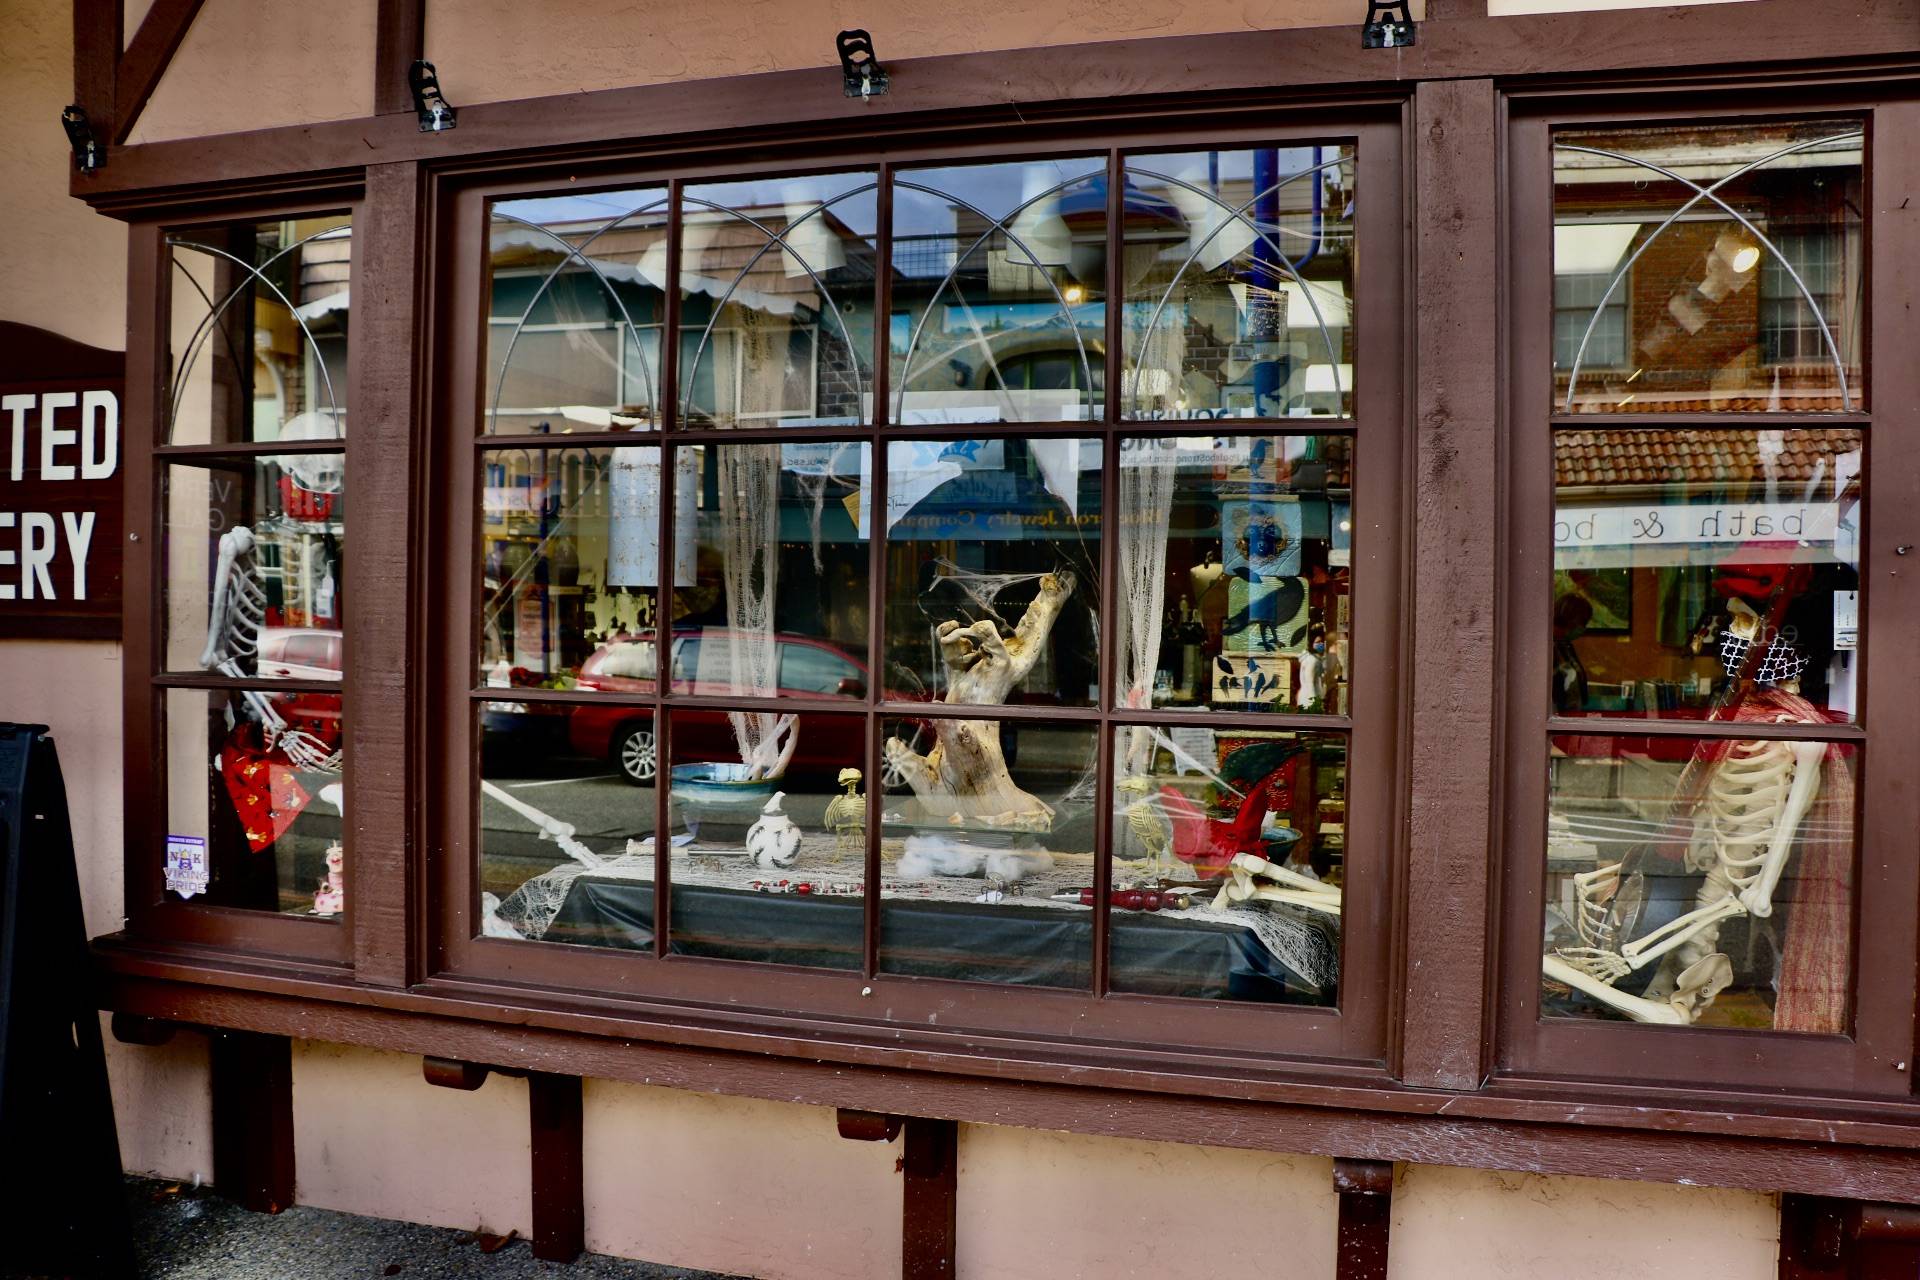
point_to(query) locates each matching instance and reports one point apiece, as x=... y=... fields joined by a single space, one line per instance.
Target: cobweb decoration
x=749 y=554
x=1146 y=499
x=981 y=588
x=530 y=909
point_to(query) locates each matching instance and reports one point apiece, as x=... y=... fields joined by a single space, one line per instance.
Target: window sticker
x=187 y=865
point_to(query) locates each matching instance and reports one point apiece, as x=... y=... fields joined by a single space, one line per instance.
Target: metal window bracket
x=864 y=76
x=435 y=112
x=87 y=152
x=1389 y=25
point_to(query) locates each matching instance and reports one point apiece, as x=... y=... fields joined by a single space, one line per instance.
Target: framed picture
x=1609 y=591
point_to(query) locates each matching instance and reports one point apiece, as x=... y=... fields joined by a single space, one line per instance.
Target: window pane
x=569 y=553
x=1691 y=565
x=253 y=800
x=776 y=301
x=574 y=313
x=1234 y=560
x=1229 y=855
x=769 y=867
x=254 y=567
x=1698 y=881
x=1709 y=268
x=993 y=560
x=777 y=544
x=1239 y=270
x=259 y=331
x=999 y=288
x=986 y=843
x=566 y=823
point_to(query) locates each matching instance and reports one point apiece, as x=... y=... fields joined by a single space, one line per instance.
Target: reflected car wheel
x=638 y=759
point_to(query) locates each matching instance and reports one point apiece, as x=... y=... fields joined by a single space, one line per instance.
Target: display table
x=1186 y=953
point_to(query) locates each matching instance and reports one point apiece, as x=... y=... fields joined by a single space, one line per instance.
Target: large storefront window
x=791 y=653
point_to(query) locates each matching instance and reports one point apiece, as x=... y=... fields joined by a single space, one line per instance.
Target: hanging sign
x=60 y=489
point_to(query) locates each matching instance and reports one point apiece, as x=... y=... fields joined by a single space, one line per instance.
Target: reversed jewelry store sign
x=60 y=488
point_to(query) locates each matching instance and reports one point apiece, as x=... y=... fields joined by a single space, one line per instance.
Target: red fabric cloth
x=1815 y=953
x=266 y=795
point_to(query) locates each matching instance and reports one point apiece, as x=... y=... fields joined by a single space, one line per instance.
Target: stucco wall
x=1455 y=1224
x=758 y=1187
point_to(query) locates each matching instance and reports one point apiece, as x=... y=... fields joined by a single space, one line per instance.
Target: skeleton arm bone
x=551 y=828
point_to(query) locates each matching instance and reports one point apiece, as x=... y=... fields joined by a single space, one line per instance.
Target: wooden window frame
x=152 y=912
x=1872 y=1058
x=1107 y=1025
x=1443 y=1093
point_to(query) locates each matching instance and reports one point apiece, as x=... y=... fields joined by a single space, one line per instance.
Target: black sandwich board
x=63 y=1212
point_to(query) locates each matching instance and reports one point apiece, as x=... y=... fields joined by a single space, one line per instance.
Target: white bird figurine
x=773 y=840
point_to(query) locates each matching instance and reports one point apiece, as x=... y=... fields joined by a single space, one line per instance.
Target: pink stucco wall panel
x=1037 y=1205
x=255 y=64
x=372 y=1136
x=1450 y=1224
x=735 y=1185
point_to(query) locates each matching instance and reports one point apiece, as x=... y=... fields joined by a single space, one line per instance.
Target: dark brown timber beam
x=146 y=58
x=1038 y=85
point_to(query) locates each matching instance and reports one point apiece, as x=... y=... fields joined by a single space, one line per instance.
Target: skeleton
x=846 y=816
x=233 y=644
x=964 y=778
x=234 y=626
x=1245 y=883
x=1743 y=837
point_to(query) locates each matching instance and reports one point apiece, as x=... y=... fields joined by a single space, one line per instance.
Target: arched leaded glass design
x=1709 y=269
x=259 y=341
x=576 y=305
x=999 y=292
x=1239 y=284
x=776 y=302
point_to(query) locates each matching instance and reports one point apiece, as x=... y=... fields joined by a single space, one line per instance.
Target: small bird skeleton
x=847 y=816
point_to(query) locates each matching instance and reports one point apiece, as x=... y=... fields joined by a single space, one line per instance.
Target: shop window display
x=1733 y=264
x=1229 y=851
x=252 y=554
x=776 y=301
x=999 y=292
x=1235 y=554
x=576 y=304
x=1710 y=576
x=677 y=638
x=1239 y=278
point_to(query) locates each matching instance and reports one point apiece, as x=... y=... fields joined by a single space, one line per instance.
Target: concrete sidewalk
x=181 y=1233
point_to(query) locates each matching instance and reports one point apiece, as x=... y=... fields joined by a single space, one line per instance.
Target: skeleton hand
x=1608 y=966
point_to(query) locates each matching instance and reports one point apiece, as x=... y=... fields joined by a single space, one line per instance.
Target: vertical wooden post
x=399 y=39
x=559 y=1192
x=98 y=30
x=1365 y=1188
x=928 y=1220
x=1451 y=764
x=252 y=1076
x=391 y=333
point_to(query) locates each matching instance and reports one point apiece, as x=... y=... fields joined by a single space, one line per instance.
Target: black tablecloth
x=1002 y=942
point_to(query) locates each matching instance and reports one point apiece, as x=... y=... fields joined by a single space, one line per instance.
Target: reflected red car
x=701 y=662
